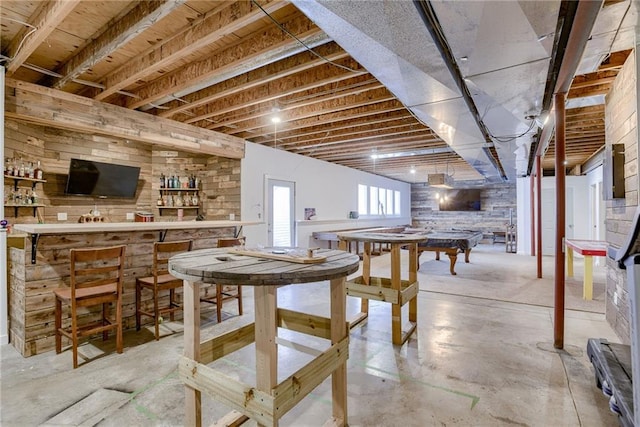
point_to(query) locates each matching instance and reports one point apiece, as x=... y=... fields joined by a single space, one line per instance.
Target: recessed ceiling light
x=464 y=58
x=275 y=119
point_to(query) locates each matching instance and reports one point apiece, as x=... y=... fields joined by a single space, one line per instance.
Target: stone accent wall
x=498 y=205
x=621 y=128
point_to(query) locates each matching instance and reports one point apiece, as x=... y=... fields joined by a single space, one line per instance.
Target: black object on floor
x=612 y=363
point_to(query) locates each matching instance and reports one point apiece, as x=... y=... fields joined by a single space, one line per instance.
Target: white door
x=549 y=219
x=281 y=214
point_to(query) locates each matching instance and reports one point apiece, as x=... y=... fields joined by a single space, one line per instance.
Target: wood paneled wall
x=220 y=177
x=621 y=124
x=498 y=206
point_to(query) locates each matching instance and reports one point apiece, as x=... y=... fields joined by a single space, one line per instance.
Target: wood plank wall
x=621 y=128
x=54 y=147
x=31 y=297
x=498 y=202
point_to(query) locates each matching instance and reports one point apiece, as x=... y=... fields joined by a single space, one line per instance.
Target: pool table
x=451 y=242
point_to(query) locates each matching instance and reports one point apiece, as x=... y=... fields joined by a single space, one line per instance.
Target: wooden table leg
x=587 y=287
x=193 y=408
x=366 y=279
x=396 y=309
x=338 y=333
x=453 y=257
x=569 y=261
x=265 y=300
x=413 y=277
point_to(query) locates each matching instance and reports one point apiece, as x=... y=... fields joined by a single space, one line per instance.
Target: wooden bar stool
x=225 y=293
x=97 y=275
x=160 y=280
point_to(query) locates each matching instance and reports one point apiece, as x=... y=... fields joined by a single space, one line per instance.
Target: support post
x=532 y=201
x=539 y=214
x=559 y=297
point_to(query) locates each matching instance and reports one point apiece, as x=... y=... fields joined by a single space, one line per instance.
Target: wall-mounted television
x=97 y=179
x=461 y=200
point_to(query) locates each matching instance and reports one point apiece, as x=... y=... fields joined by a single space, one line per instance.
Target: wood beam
x=43 y=20
x=347 y=123
x=253 y=78
x=114 y=36
x=594 y=79
x=329 y=133
x=325 y=74
x=38 y=104
x=250 y=53
x=292 y=104
x=377 y=137
x=191 y=38
x=589 y=91
x=615 y=60
x=334 y=105
x=328 y=117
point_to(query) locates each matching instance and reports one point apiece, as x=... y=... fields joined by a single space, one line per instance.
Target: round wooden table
x=392 y=290
x=267 y=401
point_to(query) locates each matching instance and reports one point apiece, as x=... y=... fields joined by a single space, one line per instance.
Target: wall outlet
x=615 y=298
x=232 y=217
x=130 y=216
x=62 y=216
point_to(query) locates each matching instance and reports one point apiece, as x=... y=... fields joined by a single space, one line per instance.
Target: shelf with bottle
x=179 y=183
x=20 y=171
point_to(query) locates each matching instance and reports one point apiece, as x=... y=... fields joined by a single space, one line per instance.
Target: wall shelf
x=16 y=180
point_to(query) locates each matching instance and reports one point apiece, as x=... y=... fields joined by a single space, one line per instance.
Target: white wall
x=580 y=220
x=331 y=189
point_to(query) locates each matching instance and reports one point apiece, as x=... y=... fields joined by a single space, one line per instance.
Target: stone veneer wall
x=621 y=128
x=498 y=205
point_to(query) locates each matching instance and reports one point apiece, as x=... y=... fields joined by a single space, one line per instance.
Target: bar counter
x=42 y=265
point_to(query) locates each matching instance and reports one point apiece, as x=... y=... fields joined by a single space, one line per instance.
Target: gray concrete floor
x=482 y=355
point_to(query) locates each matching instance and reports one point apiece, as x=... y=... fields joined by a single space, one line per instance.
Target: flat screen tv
x=91 y=178
x=461 y=200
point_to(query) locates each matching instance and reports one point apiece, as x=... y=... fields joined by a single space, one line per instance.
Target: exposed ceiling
x=382 y=86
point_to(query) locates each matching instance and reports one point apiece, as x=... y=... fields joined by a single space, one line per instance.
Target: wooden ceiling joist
x=192 y=37
x=44 y=20
x=250 y=53
x=114 y=36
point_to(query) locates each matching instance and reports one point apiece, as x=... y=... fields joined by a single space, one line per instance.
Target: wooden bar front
x=31 y=285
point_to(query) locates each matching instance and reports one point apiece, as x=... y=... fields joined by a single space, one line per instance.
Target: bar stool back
x=223 y=292
x=97 y=275
x=160 y=280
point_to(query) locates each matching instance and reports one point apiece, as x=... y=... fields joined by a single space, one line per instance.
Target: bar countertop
x=100 y=227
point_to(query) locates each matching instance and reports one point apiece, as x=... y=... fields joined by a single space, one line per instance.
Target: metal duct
x=430 y=20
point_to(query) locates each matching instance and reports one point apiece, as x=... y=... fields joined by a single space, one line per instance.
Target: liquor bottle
x=162 y=181
x=21 y=170
x=160 y=202
x=37 y=173
x=8 y=168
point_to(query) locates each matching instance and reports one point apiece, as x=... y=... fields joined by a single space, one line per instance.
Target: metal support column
x=559 y=297
x=539 y=213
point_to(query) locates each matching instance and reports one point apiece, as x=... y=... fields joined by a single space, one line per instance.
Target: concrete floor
x=482 y=355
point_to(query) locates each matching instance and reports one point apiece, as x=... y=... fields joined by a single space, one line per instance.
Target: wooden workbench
x=393 y=290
